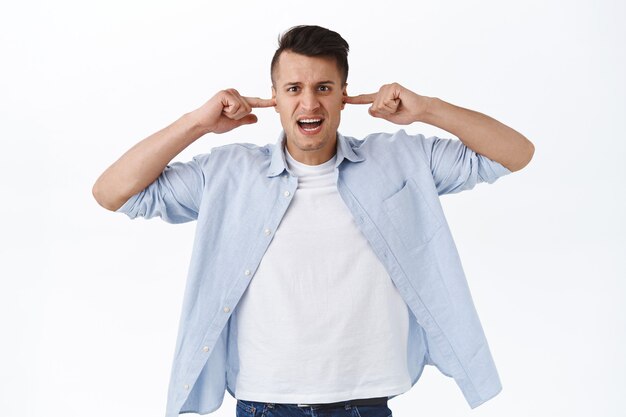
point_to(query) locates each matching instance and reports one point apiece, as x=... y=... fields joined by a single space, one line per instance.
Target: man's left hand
x=394 y=103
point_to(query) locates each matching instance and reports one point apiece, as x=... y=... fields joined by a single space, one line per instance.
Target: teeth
x=309 y=120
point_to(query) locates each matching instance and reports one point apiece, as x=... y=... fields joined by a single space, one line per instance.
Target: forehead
x=292 y=67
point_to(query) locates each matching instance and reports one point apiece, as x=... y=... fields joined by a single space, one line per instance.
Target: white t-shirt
x=321 y=320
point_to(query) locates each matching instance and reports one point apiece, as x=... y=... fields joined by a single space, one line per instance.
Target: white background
x=90 y=301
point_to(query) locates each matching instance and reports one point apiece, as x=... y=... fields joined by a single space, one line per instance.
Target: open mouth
x=310 y=126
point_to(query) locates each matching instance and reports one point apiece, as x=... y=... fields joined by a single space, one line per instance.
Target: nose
x=309 y=100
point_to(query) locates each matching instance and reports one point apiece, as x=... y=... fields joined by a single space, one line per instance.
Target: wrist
x=429 y=111
x=195 y=123
x=429 y=108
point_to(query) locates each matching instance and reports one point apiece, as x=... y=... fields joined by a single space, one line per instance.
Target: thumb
x=248 y=120
x=374 y=113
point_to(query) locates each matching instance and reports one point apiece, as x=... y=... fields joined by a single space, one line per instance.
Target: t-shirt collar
x=278 y=164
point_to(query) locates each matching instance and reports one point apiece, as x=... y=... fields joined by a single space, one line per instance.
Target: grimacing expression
x=309 y=98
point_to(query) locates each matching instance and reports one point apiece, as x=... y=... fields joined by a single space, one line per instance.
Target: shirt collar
x=278 y=164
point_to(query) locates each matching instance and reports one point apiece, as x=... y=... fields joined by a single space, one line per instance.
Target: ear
x=274 y=97
x=344 y=93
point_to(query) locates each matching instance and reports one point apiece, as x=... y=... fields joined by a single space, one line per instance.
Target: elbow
x=531 y=151
x=523 y=158
x=103 y=198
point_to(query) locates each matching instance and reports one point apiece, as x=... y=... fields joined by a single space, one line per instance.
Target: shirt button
x=186 y=386
x=247 y=272
x=206 y=348
x=226 y=309
x=267 y=232
x=286 y=193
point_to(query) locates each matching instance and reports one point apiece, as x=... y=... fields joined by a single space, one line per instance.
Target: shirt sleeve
x=456 y=168
x=174 y=196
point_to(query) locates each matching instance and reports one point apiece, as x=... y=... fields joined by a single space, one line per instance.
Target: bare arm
x=145 y=161
x=479 y=132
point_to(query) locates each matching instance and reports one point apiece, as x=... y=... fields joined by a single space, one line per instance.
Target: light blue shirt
x=390 y=183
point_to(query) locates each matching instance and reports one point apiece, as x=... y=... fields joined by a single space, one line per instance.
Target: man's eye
x=324 y=88
x=292 y=89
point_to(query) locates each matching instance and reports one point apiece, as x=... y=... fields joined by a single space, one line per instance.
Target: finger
x=386 y=102
x=236 y=111
x=230 y=103
x=231 y=107
x=245 y=106
x=226 y=125
x=391 y=104
x=248 y=119
x=379 y=107
x=360 y=99
x=235 y=107
x=378 y=111
x=375 y=113
x=260 y=102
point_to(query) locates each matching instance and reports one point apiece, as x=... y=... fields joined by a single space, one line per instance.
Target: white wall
x=89 y=301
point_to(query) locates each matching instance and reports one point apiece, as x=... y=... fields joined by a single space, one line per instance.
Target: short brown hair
x=314 y=41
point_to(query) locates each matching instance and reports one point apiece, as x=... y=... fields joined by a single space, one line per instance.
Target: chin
x=308 y=144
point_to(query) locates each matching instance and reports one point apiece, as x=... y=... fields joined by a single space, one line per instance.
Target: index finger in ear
x=260 y=102
x=360 y=99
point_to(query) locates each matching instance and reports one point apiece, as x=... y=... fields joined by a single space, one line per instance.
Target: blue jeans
x=258 y=409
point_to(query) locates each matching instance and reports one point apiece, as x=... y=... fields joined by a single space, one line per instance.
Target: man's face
x=309 y=98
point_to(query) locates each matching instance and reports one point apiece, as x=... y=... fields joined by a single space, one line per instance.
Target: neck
x=312 y=156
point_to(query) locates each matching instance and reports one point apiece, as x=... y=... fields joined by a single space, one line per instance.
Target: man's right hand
x=145 y=161
x=228 y=110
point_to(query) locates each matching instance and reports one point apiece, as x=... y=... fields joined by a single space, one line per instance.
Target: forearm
x=144 y=162
x=481 y=133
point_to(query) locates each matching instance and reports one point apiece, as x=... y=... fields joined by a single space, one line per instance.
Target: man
x=323 y=276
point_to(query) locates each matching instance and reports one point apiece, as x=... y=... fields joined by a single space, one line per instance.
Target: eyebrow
x=299 y=83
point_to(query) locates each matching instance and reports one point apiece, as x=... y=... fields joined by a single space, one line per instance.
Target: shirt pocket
x=411 y=216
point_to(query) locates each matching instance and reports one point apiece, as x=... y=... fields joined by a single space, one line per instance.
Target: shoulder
x=238 y=153
x=241 y=149
x=398 y=138
x=397 y=145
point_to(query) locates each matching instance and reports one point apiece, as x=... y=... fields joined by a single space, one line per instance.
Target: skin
x=309 y=88
x=305 y=87
x=479 y=132
x=144 y=162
